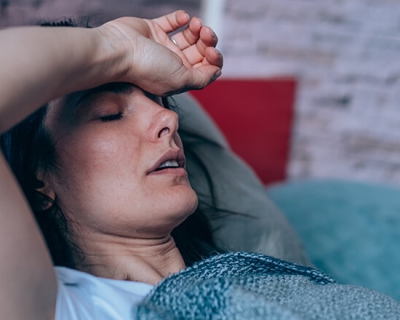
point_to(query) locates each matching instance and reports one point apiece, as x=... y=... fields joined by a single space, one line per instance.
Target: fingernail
x=216 y=75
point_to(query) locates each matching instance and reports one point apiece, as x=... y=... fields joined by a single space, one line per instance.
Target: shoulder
x=84 y=296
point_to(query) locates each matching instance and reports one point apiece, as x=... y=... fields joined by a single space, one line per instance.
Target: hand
x=155 y=63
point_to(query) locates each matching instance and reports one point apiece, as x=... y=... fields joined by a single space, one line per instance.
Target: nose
x=164 y=125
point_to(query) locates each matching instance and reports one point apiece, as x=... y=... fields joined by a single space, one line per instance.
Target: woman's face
x=113 y=144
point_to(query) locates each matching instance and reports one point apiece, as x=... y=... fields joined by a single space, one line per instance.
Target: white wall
x=346 y=54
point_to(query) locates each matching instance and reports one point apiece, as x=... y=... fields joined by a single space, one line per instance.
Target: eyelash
x=170 y=104
x=112 y=117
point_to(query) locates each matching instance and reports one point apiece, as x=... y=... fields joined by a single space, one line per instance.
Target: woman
x=118 y=170
x=103 y=169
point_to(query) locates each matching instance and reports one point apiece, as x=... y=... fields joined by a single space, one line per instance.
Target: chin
x=194 y=203
x=189 y=202
x=184 y=204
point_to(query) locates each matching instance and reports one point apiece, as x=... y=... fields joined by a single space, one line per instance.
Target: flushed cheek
x=98 y=176
x=99 y=160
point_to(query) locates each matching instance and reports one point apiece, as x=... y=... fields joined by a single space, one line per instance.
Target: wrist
x=96 y=58
x=113 y=55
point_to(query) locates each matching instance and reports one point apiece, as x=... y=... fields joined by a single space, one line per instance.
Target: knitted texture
x=248 y=285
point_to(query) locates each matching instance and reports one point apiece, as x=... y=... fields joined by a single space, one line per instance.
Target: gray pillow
x=252 y=221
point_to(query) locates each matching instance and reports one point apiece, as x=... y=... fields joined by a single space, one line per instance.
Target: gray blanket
x=252 y=286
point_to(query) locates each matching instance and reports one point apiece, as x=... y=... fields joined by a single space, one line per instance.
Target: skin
x=42 y=64
x=120 y=215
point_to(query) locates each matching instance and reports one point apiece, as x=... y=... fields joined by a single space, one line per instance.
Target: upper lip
x=170 y=155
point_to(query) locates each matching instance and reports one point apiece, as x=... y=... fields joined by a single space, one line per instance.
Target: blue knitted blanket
x=252 y=286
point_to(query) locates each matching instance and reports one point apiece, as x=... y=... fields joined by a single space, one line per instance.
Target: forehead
x=66 y=107
x=75 y=99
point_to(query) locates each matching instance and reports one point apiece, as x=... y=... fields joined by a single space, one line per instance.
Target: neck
x=142 y=260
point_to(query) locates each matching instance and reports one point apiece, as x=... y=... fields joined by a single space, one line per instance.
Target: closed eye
x=170 y=104
x=112 y=117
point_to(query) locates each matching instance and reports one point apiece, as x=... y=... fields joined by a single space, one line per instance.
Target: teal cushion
x=350 y=230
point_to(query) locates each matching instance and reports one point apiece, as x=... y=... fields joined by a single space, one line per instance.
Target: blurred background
x=340 y=57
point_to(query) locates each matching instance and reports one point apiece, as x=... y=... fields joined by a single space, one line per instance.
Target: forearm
x=40 y=64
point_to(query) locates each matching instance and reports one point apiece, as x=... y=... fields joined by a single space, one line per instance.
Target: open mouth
x=173 y=159
x=169 y=164
x=170 y=161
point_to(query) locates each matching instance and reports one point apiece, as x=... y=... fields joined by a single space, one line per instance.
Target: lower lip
x=171 y=171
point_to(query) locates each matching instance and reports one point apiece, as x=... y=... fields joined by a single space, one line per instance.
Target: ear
x=45 y=189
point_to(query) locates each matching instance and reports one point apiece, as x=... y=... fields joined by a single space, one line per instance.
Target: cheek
x=97 y=178
x=97 y=165
x=95 y=150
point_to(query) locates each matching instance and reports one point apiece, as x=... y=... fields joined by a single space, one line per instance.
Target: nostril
x=163 y=132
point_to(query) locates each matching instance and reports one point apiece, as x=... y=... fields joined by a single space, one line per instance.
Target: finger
x=172 y=21
x=208 y=36
x=194 y=33
x=213 y=57
x=193 y=55
x=196 y=53
x=190 y=35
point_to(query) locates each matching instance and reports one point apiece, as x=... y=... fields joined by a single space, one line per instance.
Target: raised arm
x=40 y=64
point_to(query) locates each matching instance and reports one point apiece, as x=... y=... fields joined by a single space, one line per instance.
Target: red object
x=256 y=117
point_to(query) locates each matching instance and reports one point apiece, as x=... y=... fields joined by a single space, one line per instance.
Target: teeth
x=168 y=164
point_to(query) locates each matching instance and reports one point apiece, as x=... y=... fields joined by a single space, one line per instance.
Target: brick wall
x=346 y=55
